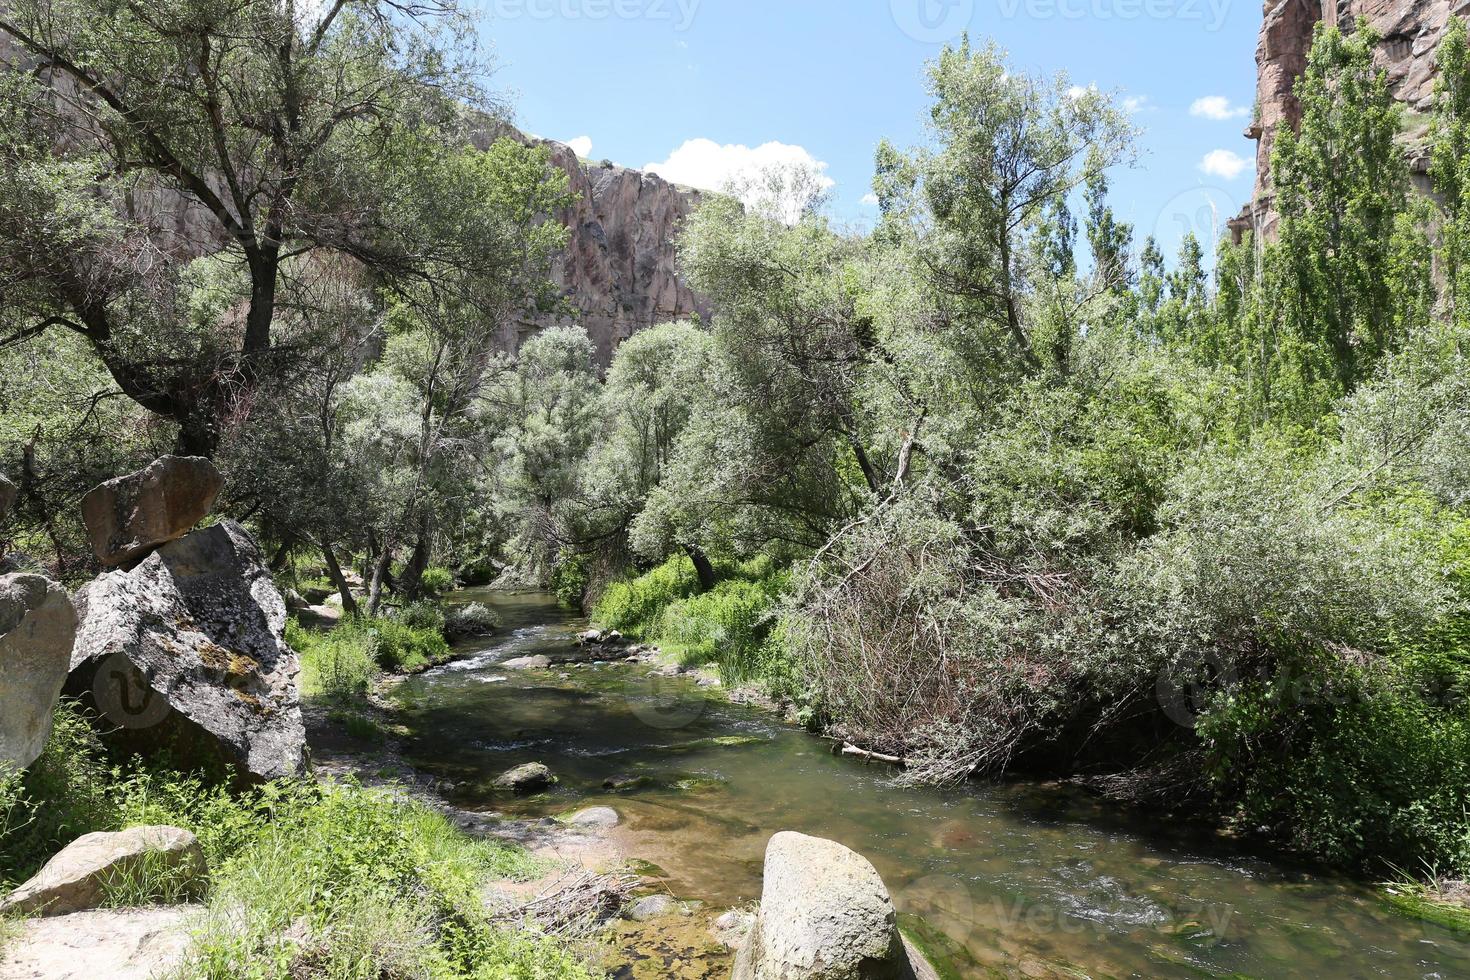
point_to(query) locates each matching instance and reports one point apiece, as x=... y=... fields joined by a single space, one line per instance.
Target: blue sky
x=640 y=79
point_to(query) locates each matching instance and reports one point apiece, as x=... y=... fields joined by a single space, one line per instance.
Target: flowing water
x=1015 y=880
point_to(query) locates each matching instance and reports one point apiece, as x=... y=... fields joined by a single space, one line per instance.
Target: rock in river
x=37 y=628
x=597 y=817
x=530 y=778
x=76 y=880
x=186 y=652
x=825 y=915
x=131 y=515
x=527 y=663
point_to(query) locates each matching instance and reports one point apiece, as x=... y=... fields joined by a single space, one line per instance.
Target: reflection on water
x=1016 y=880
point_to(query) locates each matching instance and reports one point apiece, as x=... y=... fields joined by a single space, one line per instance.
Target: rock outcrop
x=77 y=879
x=186 y=651
x=617 y=274
x=1410 y=32
x=37 y=628
x=129 y=516
x=825 y=915
x=133 y=944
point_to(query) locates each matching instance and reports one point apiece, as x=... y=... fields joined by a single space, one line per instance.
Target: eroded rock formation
x=131 y=515
x=1410 y=32
x=185 y=652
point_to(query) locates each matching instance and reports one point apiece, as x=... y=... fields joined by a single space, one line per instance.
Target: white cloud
x=707 y=165
x=871 y=200
x=1225 y=164
x=1078 y=91
x=1216 y=107
x=1135 y=104
x=582 y=146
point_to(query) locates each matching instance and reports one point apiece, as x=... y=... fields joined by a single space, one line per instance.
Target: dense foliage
x=989 y=486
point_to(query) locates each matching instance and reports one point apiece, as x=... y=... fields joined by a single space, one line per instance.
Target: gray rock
x=37 y=628
x=131 y=515
x=132 y=944
x=527 y=663
x=530 y=778
x=601 y=817
x=76 y=880
x=295 y=601
x=652 y=907
x=731 y=928
x=825 y=915
x=186 y=650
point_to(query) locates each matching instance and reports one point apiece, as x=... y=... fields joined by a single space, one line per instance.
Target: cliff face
x=1410 y=32
x=618 y=270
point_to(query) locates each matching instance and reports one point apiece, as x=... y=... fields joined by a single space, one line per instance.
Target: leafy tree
x=149 y=134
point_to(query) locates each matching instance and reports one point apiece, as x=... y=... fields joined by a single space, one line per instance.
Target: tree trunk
x=702 y=567
x=418 y=563
x=382 y=578
x=334 y=572
x=283 y=553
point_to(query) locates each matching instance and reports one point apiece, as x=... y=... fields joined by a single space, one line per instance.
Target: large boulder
x=130 y=516
x=132 y=944
x=77 y=879
x=825 y=915
x=185 y=653
x=37 y=628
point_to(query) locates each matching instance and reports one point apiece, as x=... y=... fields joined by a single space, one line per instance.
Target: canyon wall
x=1410 y=32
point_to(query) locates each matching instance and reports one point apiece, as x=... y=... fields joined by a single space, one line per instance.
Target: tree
x=1007 y=146
x=140 y=136
x=1341 y=182
x=1450 y=166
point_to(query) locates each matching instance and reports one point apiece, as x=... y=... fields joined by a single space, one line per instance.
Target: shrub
x=569 y=580
x=337 y=666
x=728 y=625
x=402 y=649
x=422 y=616
x=635 y=607
x=436 y=581
x=474 y=619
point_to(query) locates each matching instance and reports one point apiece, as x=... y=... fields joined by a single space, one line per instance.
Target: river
x=1014 y=880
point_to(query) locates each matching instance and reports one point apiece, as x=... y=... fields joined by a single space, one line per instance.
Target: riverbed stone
x=652 y=907
x=76 y=879
x=37 y=629
x=529 y=778
x=132 y=944
x=597 y=817
x=186 y=653
x=527 y=663
x=825 y=914
x=131 y=515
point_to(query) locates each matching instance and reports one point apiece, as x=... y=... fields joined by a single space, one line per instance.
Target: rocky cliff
x=1410 y=32
x=618 y=273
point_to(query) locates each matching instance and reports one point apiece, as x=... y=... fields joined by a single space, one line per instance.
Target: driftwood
x=853 y=750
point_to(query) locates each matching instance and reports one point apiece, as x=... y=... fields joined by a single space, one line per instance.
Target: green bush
x=728 y=625
x=569 y=580
x=635 y=607
x=474 y=619
x=339 y=665
x=436 y=581
x=403 y=649
x=422 y=616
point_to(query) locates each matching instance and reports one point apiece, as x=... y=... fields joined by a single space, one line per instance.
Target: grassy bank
x=325 y=881
x=731 y=625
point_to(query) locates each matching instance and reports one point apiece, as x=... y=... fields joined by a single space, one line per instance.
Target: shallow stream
x=1016 y=880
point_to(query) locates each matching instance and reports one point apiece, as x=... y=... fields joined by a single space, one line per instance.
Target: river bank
x=1015 y=880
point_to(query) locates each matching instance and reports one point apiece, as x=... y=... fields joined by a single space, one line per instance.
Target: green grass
x=342 y=664
x=1414 y=901
x=329 y=882
x=732 y=625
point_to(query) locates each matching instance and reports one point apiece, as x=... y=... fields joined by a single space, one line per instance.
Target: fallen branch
x=893 y=760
